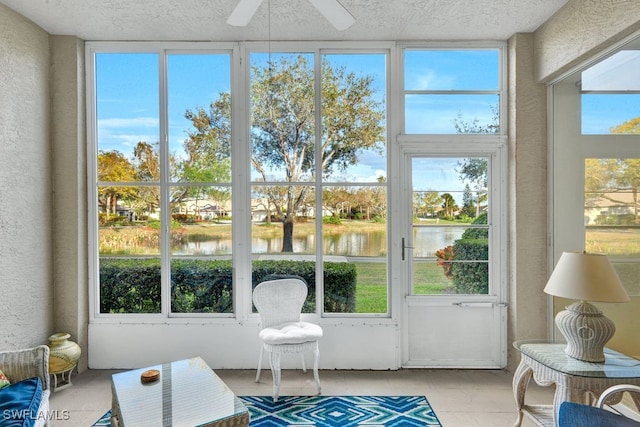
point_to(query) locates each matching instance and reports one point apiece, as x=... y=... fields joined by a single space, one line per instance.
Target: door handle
x=479 y=304
x=405 y=247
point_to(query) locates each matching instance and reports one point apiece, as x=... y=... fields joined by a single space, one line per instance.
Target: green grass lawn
x=371 y=289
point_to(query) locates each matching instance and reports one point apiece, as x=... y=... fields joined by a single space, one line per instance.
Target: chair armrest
x=21 y=364
x=616 y=389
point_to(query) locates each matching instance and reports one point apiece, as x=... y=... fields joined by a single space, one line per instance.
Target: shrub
x=443 y=256
x=624 y=219
x=470 y=277
x=206 y=286
x=333 y=219
x=129 y=286
x=201 y=286
x=378 y=218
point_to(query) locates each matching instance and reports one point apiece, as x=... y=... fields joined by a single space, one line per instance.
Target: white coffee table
x=188 y=393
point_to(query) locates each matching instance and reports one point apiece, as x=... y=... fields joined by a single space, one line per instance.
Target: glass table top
x=188 y=393
x=552 y=355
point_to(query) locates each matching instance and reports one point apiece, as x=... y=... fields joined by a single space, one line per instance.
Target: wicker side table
x=575 y=380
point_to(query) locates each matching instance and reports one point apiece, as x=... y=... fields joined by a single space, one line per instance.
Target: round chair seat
x=291 y=333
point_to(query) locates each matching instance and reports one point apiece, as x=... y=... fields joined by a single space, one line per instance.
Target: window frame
x=456 y=46
x=240 y=164
x=240 y=84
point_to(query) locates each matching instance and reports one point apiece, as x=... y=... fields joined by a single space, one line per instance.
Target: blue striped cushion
x=577 y=415
x=19 y=403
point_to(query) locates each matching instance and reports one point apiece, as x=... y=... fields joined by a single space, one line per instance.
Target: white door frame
x=492 y=307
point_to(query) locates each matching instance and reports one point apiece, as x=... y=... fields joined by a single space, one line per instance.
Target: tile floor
x=460 y=398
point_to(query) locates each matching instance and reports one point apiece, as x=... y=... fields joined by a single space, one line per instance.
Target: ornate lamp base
x=586 y=330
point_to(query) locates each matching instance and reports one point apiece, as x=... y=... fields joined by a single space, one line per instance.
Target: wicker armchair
x=23 y=364
x=608 y=411
x=279 y=303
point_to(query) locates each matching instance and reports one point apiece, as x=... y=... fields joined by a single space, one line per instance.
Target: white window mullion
x=318 y=185
x=165 y=214
x=241 y=188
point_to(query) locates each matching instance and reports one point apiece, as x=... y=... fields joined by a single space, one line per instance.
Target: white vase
x=63 y=354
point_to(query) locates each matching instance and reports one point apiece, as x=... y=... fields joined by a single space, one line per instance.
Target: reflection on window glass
x=619 y=72
x=450 y=231
x=612 y=215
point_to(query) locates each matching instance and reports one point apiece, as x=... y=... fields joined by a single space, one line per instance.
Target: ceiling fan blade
x=243 y=12
x=335 y=13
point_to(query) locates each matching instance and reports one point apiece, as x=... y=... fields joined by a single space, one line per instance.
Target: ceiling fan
x=331 y=9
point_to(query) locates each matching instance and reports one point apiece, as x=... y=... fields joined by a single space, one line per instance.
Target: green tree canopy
x=630 y=126
x=283 y=128
x=114 y=167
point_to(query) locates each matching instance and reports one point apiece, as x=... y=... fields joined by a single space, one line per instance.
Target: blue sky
x=128 y=100
x=601 y=112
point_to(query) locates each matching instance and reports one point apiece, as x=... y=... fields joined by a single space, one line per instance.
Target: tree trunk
x=635 y=204
x=287 y=234
x=108 y=206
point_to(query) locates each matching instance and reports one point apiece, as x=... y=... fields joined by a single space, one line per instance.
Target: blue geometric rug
x=335 y=411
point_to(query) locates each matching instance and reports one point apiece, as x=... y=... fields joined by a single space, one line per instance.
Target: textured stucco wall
x=25 y=184
x=580 y=30
x=527 y=197
x=68 y=130
x=27 y=197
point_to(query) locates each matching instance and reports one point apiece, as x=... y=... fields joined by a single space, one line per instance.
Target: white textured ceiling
x=203 y=20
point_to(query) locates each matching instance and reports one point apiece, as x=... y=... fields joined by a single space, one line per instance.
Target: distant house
x=609 y=208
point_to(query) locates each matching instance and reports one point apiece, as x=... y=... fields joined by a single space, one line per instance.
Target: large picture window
x=166 y=184
x=163 y=183
x=323 y=177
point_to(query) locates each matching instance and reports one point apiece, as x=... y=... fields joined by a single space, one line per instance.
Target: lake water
x=427 y=240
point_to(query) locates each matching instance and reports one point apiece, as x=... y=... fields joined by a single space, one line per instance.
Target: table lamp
x=585 y=277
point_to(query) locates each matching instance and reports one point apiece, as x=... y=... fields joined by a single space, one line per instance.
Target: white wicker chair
x=279 y=303
x=27 y=363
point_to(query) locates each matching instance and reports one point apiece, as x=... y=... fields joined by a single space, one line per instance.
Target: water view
x=366 y=241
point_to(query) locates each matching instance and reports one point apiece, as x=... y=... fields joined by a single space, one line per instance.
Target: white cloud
x=428 y=79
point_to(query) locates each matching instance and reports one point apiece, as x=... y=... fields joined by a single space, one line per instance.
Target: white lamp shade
x=586 y=277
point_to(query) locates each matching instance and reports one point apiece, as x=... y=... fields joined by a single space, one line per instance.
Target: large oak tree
x=283 y=129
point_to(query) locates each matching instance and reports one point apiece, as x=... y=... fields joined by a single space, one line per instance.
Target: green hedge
x=206 y=286
x=471 y=277
x=129 y=286
x=466 y=261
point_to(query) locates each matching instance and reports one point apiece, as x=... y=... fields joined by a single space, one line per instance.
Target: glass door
x=454 y=310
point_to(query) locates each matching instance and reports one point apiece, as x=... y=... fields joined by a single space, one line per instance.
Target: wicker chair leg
x=316 y=362
x=259 y=364
x=276 y=373
x=304 y=365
